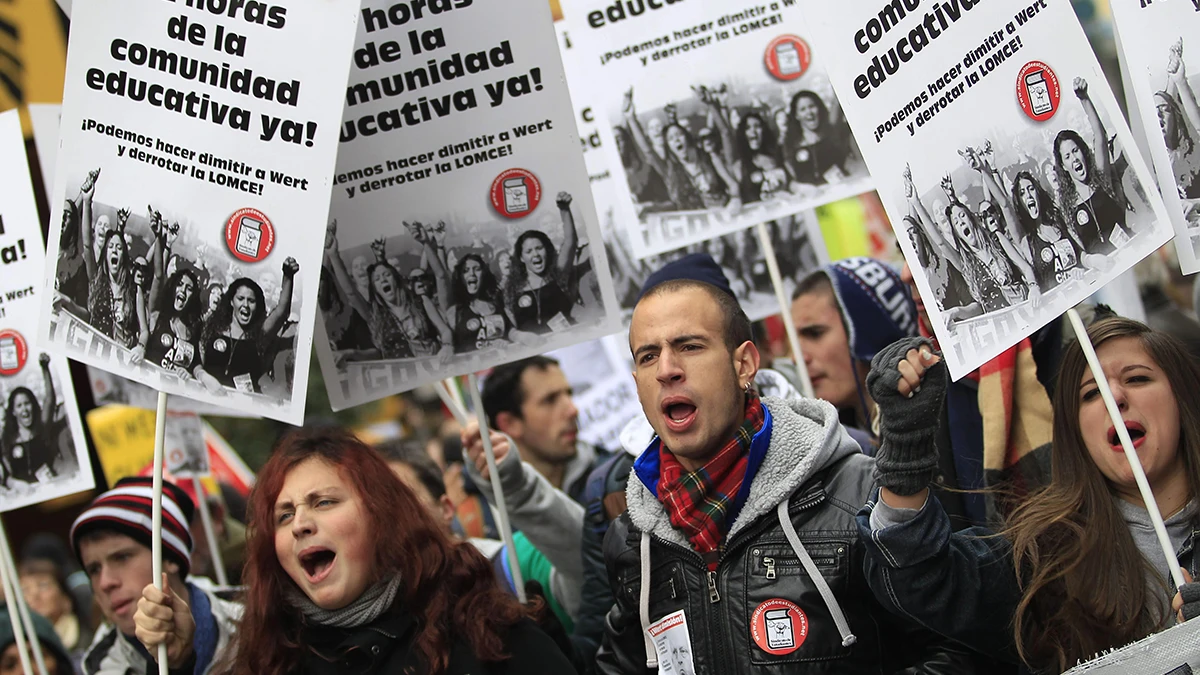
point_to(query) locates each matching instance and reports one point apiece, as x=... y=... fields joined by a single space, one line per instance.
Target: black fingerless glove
x=907 y=459
x=1191 y=600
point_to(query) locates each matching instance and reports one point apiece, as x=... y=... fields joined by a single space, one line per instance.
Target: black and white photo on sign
x=111 y=389
x=799 y=249
x=1007 y=170
x=43 y=454
x=157 y=291
x=440 y=290
x=1160 y=54
x=1018 y=217
x=718 y=136
x=185 y=453
x=191 y=187
x=472 y=240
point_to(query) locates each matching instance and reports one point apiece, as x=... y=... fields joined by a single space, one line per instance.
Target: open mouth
x=680 y=413
x=317 y=563
x=1137 y=434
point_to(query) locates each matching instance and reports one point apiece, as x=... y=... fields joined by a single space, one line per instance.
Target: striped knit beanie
x=126 y=509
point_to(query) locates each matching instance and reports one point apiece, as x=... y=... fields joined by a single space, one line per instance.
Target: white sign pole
x=11 y=590
x=1114 y=414
x=785 y=308
x=213 y=549
x=19 y=600
x=497 y=489
x=160 y=432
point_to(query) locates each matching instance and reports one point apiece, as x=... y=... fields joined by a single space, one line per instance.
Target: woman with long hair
x=236 y=343
x=816 y=152
x=1077 y=569
x=403 y=325
x=1058 y=254
x=542 y=287
x=752 y=151
x=29 y=441
x=1090 y=190
x=346 y=572
x=476 y=304
x=112 y=296
x=644 y=181
x=173 y=302
x=696 y=180
x=1179 y=119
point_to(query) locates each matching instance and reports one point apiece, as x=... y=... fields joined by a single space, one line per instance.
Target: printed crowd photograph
x=36 y=445
x=162 y=294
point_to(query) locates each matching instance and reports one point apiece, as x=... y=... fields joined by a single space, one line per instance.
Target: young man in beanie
x=739 y=551
x=844 y=314
x=112 y=539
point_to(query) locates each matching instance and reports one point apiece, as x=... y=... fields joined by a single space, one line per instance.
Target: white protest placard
x=465 y=231
x=45 y=119
x=797 y=238
x=1000 y=154
x=719 y=115
x=196 y=154
x=1160 y=47
x=43 y=454
x=110 y=389
x=185 y=454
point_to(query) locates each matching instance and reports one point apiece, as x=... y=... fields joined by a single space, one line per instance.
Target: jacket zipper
x=769 y=563
x=712 y=621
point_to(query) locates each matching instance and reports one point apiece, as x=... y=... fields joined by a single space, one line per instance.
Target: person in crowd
x=1078 y=568
x=950 y=290
x=530 y=402
x=71 y=282
x=1179 y=118
x=112 y=298
x=230 y=536
x=695 y=179
x=409 y=461
x=112 y=540
x=732 y=495
x=645 y=183
x=213 y=296
x=173 y=343
x=751 y=151
x=817 y=152
x=844 y=314
x=236 y=343
x=1089 y=189
x=1057 y=252
x=474 y=304
x=335 y=584
x=403 y=326
x=543 y=285
x=29 y=443
x=50 y=547
x=349 y=334
x=56 y=658
x=45 y=589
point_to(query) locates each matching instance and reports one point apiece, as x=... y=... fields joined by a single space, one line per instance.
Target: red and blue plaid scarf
x=704 y=503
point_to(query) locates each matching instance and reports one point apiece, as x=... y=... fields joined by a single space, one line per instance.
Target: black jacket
x=386 y=646
x=817 y=472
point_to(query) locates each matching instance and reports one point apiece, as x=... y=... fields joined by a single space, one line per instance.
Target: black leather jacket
x=823 y=488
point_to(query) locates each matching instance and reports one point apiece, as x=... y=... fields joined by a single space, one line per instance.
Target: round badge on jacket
x=779 y=626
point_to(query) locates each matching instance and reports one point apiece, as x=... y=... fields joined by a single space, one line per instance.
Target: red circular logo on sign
x=1038 y=91
x=249 y=235
x=788 y=57
x=516 y=193
x=779 y=626
x=14 y=352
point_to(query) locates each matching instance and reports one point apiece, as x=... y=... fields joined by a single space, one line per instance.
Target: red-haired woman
x=339 y=582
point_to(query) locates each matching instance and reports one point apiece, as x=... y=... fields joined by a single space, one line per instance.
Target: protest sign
x=185 y=455
x=1000 y=154
x=42 y=450
x=797 y=238
x=223 y=118
x=110 y=389
x=718 y=116
x=1160 y=49
x=464 y=232
x=45 y=118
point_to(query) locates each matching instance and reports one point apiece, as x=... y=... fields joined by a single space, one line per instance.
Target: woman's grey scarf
x=372 y=603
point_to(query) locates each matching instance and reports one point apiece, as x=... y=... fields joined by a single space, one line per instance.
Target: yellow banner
x=33 y=54
x=124 y=439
